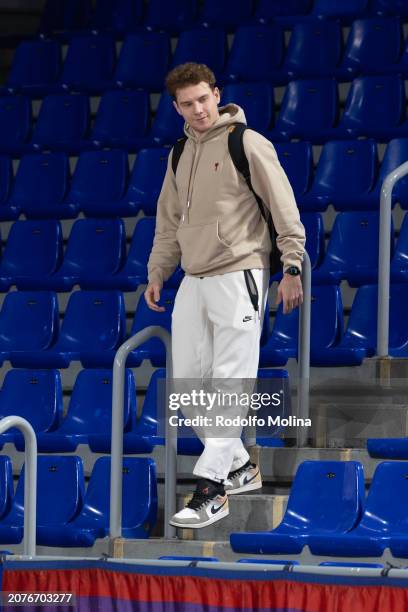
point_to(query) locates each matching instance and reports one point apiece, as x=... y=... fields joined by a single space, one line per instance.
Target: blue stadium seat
x=352 y=252
x=64 y=17
x=146 y=179
x=36 y=67
x=119 y=16
x=143 y=61
x=384 y=516
x=62 y=124
x=6 y=485
x=257 y=55
x=173 y=15
x=35 y=395
x=296 y=158
x=314 y=50
x=64 y=478
x=89 y=412
x=15 y=124
x=257 y=100
x=390 y=7
x=28 y=323
x=32 y=255
x=40 y=187
x=326 y=497
x=99 y=183
x=89 y=64
x=138 y=513
x=227 y=14
x=286 y=12
x=345 y=176
x=388 y=448
x=94 y=253
x=204 y=46
x=122 y=120
x=396 y=154
x=399 y=262
x=326 y=328
x=8 y=211
x=309 y=111
x=167 y=124
x=346 y=11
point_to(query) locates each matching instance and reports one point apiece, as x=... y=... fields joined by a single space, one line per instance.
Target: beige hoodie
x=208 y=217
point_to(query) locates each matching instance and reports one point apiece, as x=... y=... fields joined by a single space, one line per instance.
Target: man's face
x=198 y=105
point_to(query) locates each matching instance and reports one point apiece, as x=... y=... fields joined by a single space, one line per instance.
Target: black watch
x=293 y=271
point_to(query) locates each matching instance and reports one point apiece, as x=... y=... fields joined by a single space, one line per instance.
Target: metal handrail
x=30 y=479
x=384 y=256
x=304 y=351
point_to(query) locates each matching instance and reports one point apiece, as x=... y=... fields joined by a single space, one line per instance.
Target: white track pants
x=215 y=334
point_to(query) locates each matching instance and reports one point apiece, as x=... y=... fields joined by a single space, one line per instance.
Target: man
x=209 y=218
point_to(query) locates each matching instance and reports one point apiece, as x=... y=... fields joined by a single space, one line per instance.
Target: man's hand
x=152 y=295
x=290 y=293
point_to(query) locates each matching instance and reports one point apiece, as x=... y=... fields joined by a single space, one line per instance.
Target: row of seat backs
x=69 y=515
x=327 y=511
x=374 y=46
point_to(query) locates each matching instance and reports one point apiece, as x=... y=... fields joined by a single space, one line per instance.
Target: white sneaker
x=247 y=478
x=208 y=505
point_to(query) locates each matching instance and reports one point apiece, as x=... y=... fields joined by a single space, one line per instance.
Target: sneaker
x=246 y=478
x=208 y=505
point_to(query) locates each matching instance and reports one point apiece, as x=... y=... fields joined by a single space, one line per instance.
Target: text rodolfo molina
x=252 y=421
x=208 y=400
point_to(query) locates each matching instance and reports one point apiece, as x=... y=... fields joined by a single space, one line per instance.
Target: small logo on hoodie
x=216 y=166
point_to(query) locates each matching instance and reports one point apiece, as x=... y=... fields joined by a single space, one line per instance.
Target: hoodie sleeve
x=272 y=186
x=165 y=254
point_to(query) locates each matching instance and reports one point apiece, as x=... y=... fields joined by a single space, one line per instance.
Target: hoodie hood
x=229 y=114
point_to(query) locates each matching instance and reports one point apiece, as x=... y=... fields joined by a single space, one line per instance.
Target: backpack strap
x=177 y=152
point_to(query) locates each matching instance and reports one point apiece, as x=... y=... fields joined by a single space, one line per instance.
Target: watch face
x=293 y=271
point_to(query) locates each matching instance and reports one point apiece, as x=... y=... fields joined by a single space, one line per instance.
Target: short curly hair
x=188 y=74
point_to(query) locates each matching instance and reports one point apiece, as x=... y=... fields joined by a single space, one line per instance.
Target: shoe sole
x=210 y=521
x=251 y=486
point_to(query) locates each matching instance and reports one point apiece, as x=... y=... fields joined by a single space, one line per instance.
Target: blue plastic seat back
x=256 y=53
x=396 y=154
x=227 y=14
x=204 y=46
x=168 y=124
x=309 y=103
x=33 y=248
x=35 y=62
x=346 y=10
x=400 y=258
x=28 y=320
x=89 y=59
x=41 y=179
x=64 y=15
x=325 y=495
x=173 y=15
x=15 y=120
x=314 y=49
x=93 y=321
x=314 y=228
x=121 y=115
x=6 y=485
x=374 y=101
x=296 y=159
x=62 y=118
x=141 y=246
x=390 y=7
x=5 y=178
x=118 y=15
x=100 y=176
x=147 y=178
x=145 y=317
x=35 y=395
x=267 y=10
x=144 y=60
x=257 y=100
x=147 y=424
x=373 y=45
x=95 y=247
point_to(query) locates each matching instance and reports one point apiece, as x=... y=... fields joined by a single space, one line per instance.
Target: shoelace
x=198 y=500
x=240 y=470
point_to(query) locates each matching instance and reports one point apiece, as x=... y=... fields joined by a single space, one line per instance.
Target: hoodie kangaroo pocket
x=201 y=246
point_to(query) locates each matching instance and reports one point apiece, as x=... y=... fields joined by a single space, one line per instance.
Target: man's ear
x=176 y=107
x=217 y=94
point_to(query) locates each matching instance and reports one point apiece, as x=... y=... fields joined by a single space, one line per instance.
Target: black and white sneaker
x=247 y=478
x=208 y=505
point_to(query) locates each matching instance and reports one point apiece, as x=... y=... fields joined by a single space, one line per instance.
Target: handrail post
x=303 y=383
x=30 y=479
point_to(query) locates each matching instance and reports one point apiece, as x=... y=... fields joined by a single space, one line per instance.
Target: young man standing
x=208 y=218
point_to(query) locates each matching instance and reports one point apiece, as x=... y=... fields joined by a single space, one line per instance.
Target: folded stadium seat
x=352 y=251
x=134 y=271
x=35 y=69
x=34 y=395
x=8 y=211
x=143 y=61
x=286 y=12
x=118 y=16
x=40 y=186
x=95 y=251
x=6 y=485
x=64 y=477
x=174 y=16
x=388 y=448
x=257 y=55
x=15 y=124
x=345 y=176
x=399 y=262
x=326 y=328
x=65 y=18
x=257 y=100
x=28 y=323
x=122 y=120
x=228 y=14
x=296 y=159
x=139 y=513
x=204 y=46
x=62 y=124
x=396 y=154
x=309 y=111
x=326 y=497
x=390 y=7
x=146 y=180
x=167 y=125
x=92 y=330
x=89 y=64
x=99 y=182
x=32 y=255
x=380 y=520
x=346 y=11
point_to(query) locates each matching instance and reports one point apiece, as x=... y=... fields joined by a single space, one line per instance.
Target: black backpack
x=237 y=152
